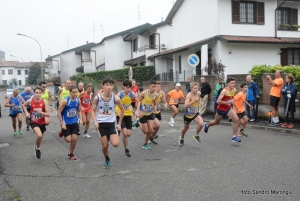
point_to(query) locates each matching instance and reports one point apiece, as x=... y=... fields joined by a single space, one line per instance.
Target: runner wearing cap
x=176 y=96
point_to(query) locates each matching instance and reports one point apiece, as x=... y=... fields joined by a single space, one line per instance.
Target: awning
x=100 y=65
x=136 y=60
x=80 y=69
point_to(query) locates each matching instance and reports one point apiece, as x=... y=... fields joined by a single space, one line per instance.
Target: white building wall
x=116 y=52
x=54 y=65
x=165 y=36
x=15 y=75
x=69 y=62
x=186 y=70
x=100 y=53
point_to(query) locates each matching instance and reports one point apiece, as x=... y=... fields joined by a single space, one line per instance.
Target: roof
x=130 y=62
x=251 y=39
x=153 y=27
x=2 y=51
x=49 y=58
x=173 y=11
x=8 y=63
x=20 y=64
x=80 y=48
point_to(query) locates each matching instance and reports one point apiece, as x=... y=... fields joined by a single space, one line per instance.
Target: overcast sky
x=59 y=25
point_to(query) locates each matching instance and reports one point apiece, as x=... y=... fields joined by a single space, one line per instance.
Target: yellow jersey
x=45 y=95
x=126 y=102
x=159 y=97
x=65 y=93
x=192 y=110
x=147 y=104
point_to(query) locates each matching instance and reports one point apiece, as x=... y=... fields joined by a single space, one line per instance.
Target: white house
x=240 y=34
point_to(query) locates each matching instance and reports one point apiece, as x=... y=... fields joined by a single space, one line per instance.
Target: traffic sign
x=193 y=60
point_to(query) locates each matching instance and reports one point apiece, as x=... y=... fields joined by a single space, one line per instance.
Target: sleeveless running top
x=192 y=110
x=126 y=101
x=65 y=93
x=159 y=97
x=45 y=95
x=228 y=96
x=79 y=92
x=26 y=96
x=147 y=104
x=34 y=107
x=85 y=100
x=105 y=112
x=17 y=101
x=69 y=113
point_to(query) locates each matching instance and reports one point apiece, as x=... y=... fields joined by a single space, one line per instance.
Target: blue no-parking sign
x=193 y=60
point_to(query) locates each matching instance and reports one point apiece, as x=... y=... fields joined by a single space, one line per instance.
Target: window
x=10 y=71
x=152 y=42
x=19 y=72
x=26 y=72
x=248 y=12
x=4 y=82
x=290 y=56
x=287 y=16
x=20 y=82
x=135 y=45
x=3 y=72
x=179 y=64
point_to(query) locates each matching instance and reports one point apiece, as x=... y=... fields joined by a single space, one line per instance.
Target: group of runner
x=76 y=106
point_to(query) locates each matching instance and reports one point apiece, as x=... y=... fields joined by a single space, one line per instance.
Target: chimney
x=87 y=42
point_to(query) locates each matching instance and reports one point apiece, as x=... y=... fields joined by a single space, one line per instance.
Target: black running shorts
x=126 y=123
x=274 y=101
x=157 y=116
x=72 y=129
x=42 y=127
x=241 y=115
x=145 y=118
x=107 y=129
x=189 y=120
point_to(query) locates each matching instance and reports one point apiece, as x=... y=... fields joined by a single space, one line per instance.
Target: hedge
x=140 y=74
x=258 y=71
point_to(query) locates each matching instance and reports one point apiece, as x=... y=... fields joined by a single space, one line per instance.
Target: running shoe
x=181 y=141
x=145 y=146
x=78 y=133
x=15 y=133
x=155 y=137
x=197 y=138
x=86 y=135
x=290 y=126
x=27 y=128
x=242 y=134
x=151 y=141
x=136 y=124
x=71 y=156
x=60 y=134
x=106 y=164
x=170 y=124
x=284 y=125
x=20 y=132
x=172 y=120
x=272 y=124
x=252 y=120
x=235 y=139
x=127 y=154
x=38 y=153
x=205 y=127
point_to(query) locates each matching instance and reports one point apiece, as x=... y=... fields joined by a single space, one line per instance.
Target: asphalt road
x=264 y=166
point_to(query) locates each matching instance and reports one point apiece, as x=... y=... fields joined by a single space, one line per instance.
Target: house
x=2 y=56
x=240 y=34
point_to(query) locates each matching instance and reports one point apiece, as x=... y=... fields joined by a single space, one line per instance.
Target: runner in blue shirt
x=26 y=95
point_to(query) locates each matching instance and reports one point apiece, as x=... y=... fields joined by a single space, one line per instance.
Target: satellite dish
x=130 y=73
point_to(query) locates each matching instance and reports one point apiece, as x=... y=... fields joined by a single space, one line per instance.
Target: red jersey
x=85 y=100
x=228 y=96
x=35 y=117
x=134 y=89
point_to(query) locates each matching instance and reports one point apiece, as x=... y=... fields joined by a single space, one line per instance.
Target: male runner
x=225 y=100
x=191 y=113
x=68 y=113
x=157 y=114
x=64 y=92
x=134 y=89
x=46 y=95
x=86 y=109
x=38 y=111
x=104 y=117
x=14 y=102
x=175 y=96
x=126 y=96
x=80 y=87
x=240 y=100
x=26 y=96
x=145 y=107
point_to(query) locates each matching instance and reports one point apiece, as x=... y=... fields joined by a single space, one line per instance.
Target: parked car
x=8 y=92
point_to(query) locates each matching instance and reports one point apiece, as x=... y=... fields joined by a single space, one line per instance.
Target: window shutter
x=284 y=57
x=260 y=13
x=236 y=12
x=294 y=16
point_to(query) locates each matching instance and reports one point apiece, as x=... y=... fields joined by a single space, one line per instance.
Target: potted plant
x=285 y=26
x=295 y=27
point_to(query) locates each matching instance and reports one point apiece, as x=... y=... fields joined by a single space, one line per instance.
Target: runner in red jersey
x=38 y=111
x=85 y=99
x=134 y=89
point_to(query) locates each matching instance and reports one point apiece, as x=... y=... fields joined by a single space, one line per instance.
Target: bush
x=140 y=74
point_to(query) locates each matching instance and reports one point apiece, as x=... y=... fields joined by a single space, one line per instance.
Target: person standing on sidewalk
x=188 y=85
x=252 y=95
x=134 y=89
x=176 y=96
x=68 y=113
x=37 y=113
x=216 y=93
x=289 y=92
x=14 y=102
x=275 y=92
x=205 y=91
x=27 y=94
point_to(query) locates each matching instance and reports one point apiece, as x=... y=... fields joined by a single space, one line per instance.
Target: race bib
x=148 y=108
x=175 y=100
x=105 y=109
x=71 y=113
x=15 y=108
x=158 y=107
x=86 y=101
x=191 y=110
x=127 y=107
x=35 y=116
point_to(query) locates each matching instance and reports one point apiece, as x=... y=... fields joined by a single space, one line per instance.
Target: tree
x=215 y=68
x=34 y=74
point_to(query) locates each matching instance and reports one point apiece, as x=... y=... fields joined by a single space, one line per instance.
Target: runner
x=86 y=109
x=191 y=113
x=80 y=87
x=64 y=92
x=145 y=108
x=46 y=95
x=157 y=114
x=225 y=100
x=26 y=96
x=240 y=100
x=176 y=96
x=126 y=96
x=68 y=113
x=38 y=111
x=14 y=102
x=103 y=114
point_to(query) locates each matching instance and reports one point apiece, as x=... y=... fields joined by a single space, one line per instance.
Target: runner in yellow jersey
x=64 y=92
x=145 y=108
x=47 y=96
x=191 y=113
x=161 y=97
x=126 y=96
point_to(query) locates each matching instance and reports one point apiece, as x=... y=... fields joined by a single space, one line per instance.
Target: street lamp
x=40 y=51
x=23 y=66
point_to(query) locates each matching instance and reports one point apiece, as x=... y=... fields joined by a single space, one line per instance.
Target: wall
x=8 y=77
x=100 y=55
x=166 y=34
x=69 y=62
x=55 y=65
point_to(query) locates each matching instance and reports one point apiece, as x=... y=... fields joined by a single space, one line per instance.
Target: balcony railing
x=144 y=48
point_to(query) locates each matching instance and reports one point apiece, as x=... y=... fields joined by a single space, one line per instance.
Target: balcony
x=144 y=48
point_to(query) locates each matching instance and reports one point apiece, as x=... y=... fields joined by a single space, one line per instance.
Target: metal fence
x=172 y=76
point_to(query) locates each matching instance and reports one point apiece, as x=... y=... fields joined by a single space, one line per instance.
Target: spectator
x=275 y=96
x=289 y=93
x=188 y=85
x=205 y=91
x=252 y=94
x=134 y=89
x=216 y=94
